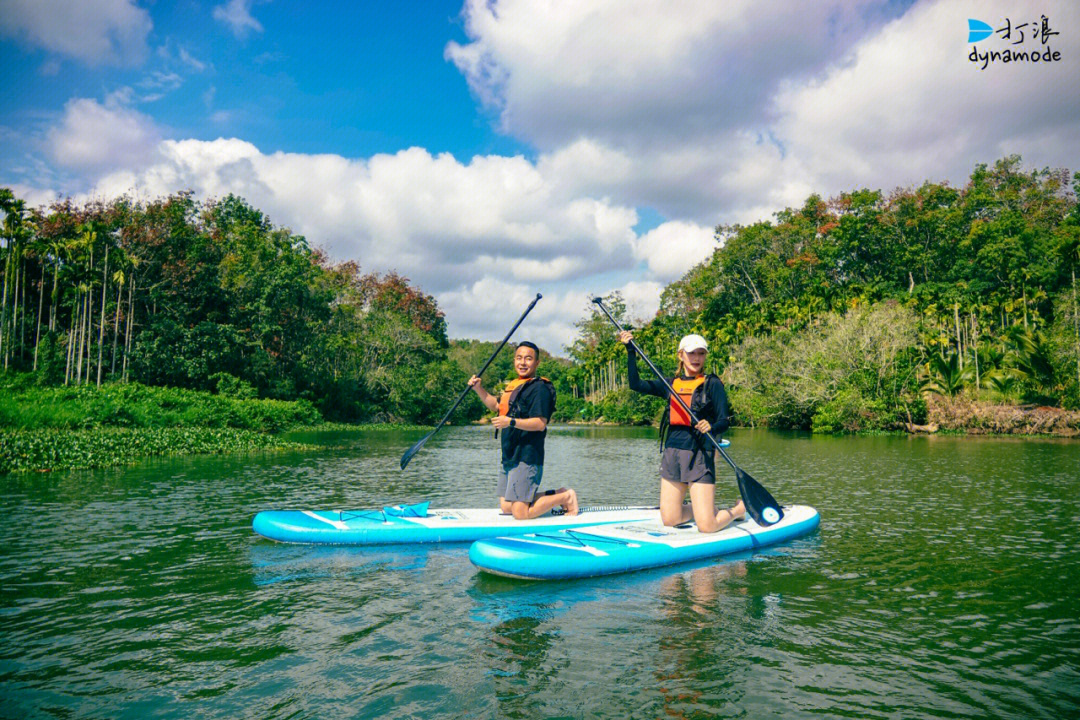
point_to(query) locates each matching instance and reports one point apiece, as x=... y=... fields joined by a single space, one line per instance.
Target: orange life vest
x=512 y=390
x=684 y=388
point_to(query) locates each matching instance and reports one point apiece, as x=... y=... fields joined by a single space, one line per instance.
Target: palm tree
x=41 y=249
x=1070 y=253
x=947 y=377
x=118 y=279
x=101 y=323
x=16 y=232
x=1032 y=354
x=990 y=358
x=80 y=253
x=135 y=261
x=1004 y=381
x=57 y=248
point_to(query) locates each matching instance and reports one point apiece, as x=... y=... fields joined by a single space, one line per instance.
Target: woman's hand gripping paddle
x=416 y=448
x=759 y=503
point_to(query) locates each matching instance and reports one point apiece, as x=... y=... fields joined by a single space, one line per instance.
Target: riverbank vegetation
x=850 y=314
x=135 y=405
x=50 y=449
x=212 y=297
x=146 y=317
x=75 y=427
x=868 y=311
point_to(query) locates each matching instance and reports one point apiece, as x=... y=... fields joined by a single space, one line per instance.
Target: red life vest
x=685 y=389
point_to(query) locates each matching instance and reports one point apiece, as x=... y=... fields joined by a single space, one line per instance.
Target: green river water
x=944 y=582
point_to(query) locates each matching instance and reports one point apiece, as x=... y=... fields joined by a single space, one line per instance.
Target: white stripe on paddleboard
x=583 y=548
x=336 y=523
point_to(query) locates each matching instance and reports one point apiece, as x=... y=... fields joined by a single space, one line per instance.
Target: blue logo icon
x=978 y=30
x=770 y=515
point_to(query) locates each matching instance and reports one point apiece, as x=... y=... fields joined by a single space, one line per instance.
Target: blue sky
x=361 y=79
x=492 y=150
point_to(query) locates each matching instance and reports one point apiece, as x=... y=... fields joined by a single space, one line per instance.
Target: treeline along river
x=942 y=583
x=870 y=310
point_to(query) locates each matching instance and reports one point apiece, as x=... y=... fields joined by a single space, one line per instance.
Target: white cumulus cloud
x=93 y=137
x=642 y=298
x=908 y=105
x=93 y=31
x=443 y=223
x=633 y=73
x=489 y=307
x=727 y=112
x=673 y=248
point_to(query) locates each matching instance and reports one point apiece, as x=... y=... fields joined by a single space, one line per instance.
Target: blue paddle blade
x=761 y=505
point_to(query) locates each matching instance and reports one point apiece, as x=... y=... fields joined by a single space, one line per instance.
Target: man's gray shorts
x=519 y=483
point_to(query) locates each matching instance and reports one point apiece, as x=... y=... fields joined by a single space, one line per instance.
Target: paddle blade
x=761 y=505
x=415 y=448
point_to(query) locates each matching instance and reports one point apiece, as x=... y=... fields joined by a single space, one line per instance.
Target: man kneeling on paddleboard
x=523 y=410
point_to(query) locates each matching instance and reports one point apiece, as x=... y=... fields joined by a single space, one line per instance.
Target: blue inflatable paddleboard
x=420 y=524
x=609 y=549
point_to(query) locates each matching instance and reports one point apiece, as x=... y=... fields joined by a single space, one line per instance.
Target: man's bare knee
x=520 y=511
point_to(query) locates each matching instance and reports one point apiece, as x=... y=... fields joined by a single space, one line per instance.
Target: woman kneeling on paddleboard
x=688 y=459
x=524 y=408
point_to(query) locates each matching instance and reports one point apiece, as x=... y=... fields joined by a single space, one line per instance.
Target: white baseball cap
x=690 y=343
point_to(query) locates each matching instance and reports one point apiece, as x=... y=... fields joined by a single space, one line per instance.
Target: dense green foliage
x=73 y=427
x=845 y=373
x=57 y=428
x=843 y=314
x=41 y=450
x=211 y=296
x=140 y=406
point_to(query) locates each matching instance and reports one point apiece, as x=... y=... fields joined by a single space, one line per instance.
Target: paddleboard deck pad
x=419 y=523
x=617 y=548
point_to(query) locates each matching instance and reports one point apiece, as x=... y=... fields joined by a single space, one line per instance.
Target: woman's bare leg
x=672 y=510
x=703 y=501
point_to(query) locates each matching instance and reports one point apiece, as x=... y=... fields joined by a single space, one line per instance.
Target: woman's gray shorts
x=688 y=466
x=519 y=483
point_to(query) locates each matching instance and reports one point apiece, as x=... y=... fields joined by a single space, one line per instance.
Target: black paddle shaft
x=416 y=448
x=759 y=503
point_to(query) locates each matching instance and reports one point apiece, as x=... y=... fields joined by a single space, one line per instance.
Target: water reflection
x=696 y=632
x=516 y=654
x=276 y=563
x=690 y=598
